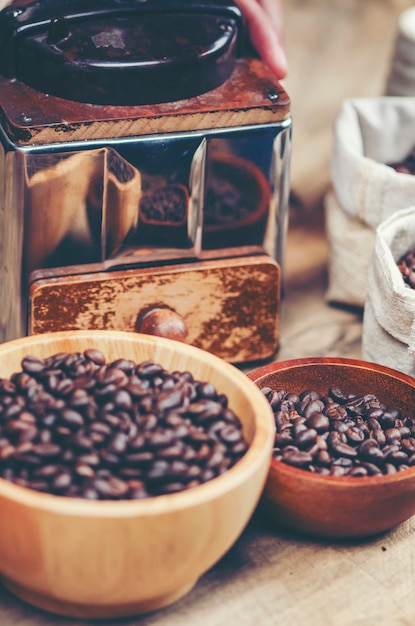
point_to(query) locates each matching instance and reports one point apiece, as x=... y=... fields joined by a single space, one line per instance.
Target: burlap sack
x=350 y=248
x=401 y=78
x=368 y=134
x=388 y=335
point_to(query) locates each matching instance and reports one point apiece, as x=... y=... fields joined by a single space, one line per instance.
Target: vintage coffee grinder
x=144 y=173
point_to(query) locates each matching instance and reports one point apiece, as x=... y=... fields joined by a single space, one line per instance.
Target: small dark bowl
x=334 y=506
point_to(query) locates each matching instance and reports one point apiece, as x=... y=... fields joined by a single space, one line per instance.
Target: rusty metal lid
x=120 y=51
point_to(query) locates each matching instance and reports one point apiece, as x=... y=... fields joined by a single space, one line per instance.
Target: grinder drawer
x=228 y=307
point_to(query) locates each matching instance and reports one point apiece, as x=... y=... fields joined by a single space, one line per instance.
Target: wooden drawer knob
x=162 y=321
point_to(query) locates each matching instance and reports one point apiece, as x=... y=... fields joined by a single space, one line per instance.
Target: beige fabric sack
x=388 y=335
x=350 y=243
x=401 y=78
x=367 y=134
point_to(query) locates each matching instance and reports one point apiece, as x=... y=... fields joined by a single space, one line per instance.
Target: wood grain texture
x=327 y=506
x=104 y=559
x=250 y=96
x=230 y=306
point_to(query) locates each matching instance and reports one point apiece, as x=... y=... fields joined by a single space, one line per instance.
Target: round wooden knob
x=161 y=321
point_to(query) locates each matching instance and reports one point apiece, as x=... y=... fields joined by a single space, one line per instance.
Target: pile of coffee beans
x=73 y=425
x=226 y=203
x=341 y=434
x=167 y=204
x=406 y=166
x=406 y=265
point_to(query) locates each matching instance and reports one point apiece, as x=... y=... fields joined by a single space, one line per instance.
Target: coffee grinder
x=144 y=173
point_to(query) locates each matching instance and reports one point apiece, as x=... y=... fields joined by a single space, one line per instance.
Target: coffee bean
x=343 y=461
x=357 y=471
x=336 y=412
x=32 y=364
x=319 y=422
x=392 y=435
x=338 y=394
x=296 y=457
x=313 y=407
x=355 y=435
x=306 y=438
x=343 y=449
x=62 y=481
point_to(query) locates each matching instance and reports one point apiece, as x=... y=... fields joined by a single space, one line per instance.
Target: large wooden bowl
x=329 y=506
x=95 y=559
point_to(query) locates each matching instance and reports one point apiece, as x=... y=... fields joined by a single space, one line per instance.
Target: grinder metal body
x=144 y=174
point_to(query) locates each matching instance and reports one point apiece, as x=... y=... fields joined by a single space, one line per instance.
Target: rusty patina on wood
x=230 y=306
x=250 y=96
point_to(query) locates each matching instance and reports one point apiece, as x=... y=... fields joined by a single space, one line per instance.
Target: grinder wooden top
x=250 y=96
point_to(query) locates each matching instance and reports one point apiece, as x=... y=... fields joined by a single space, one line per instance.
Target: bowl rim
x=339 y=481
x=164 y=504
x=287 y=364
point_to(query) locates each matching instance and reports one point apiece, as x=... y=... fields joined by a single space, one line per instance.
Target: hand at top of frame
x=265 y=26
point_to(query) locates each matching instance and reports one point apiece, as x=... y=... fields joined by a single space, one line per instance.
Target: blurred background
x=336 y=49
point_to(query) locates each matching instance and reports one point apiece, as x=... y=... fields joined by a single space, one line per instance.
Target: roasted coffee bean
x=372 y=469
x=343 y=449
x=334 y=437
x=75 y=426
x=404 y=430
x=338 y=470
x=408 y=444
x=282 y=419
x=62 y=481
x=387 y=420
x=341 y=427
x=398 y=457
x=338 y=394
x=287 y=405
x=323 y=471
x=373 y=454
x=336 y=412
x=374 y=424
x=283 y=439
x=298 y=428
x=313 y=407
x=343 y=461
x=33 y=365
x=298 y=458
x=380 y=437
x=306 y=438
x=356 y=433
x=319 y=422
x=357 y=471
x=392 y=435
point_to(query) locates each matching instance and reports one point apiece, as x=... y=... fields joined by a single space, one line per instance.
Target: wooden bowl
x=162 y=231
x=95 y=559
x=330 y=506
x=251 y=187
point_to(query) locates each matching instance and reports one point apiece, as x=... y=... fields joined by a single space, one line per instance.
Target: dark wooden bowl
x=252 y=191
x=332 y=506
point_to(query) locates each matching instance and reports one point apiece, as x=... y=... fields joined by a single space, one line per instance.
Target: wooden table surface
x=270 y=577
